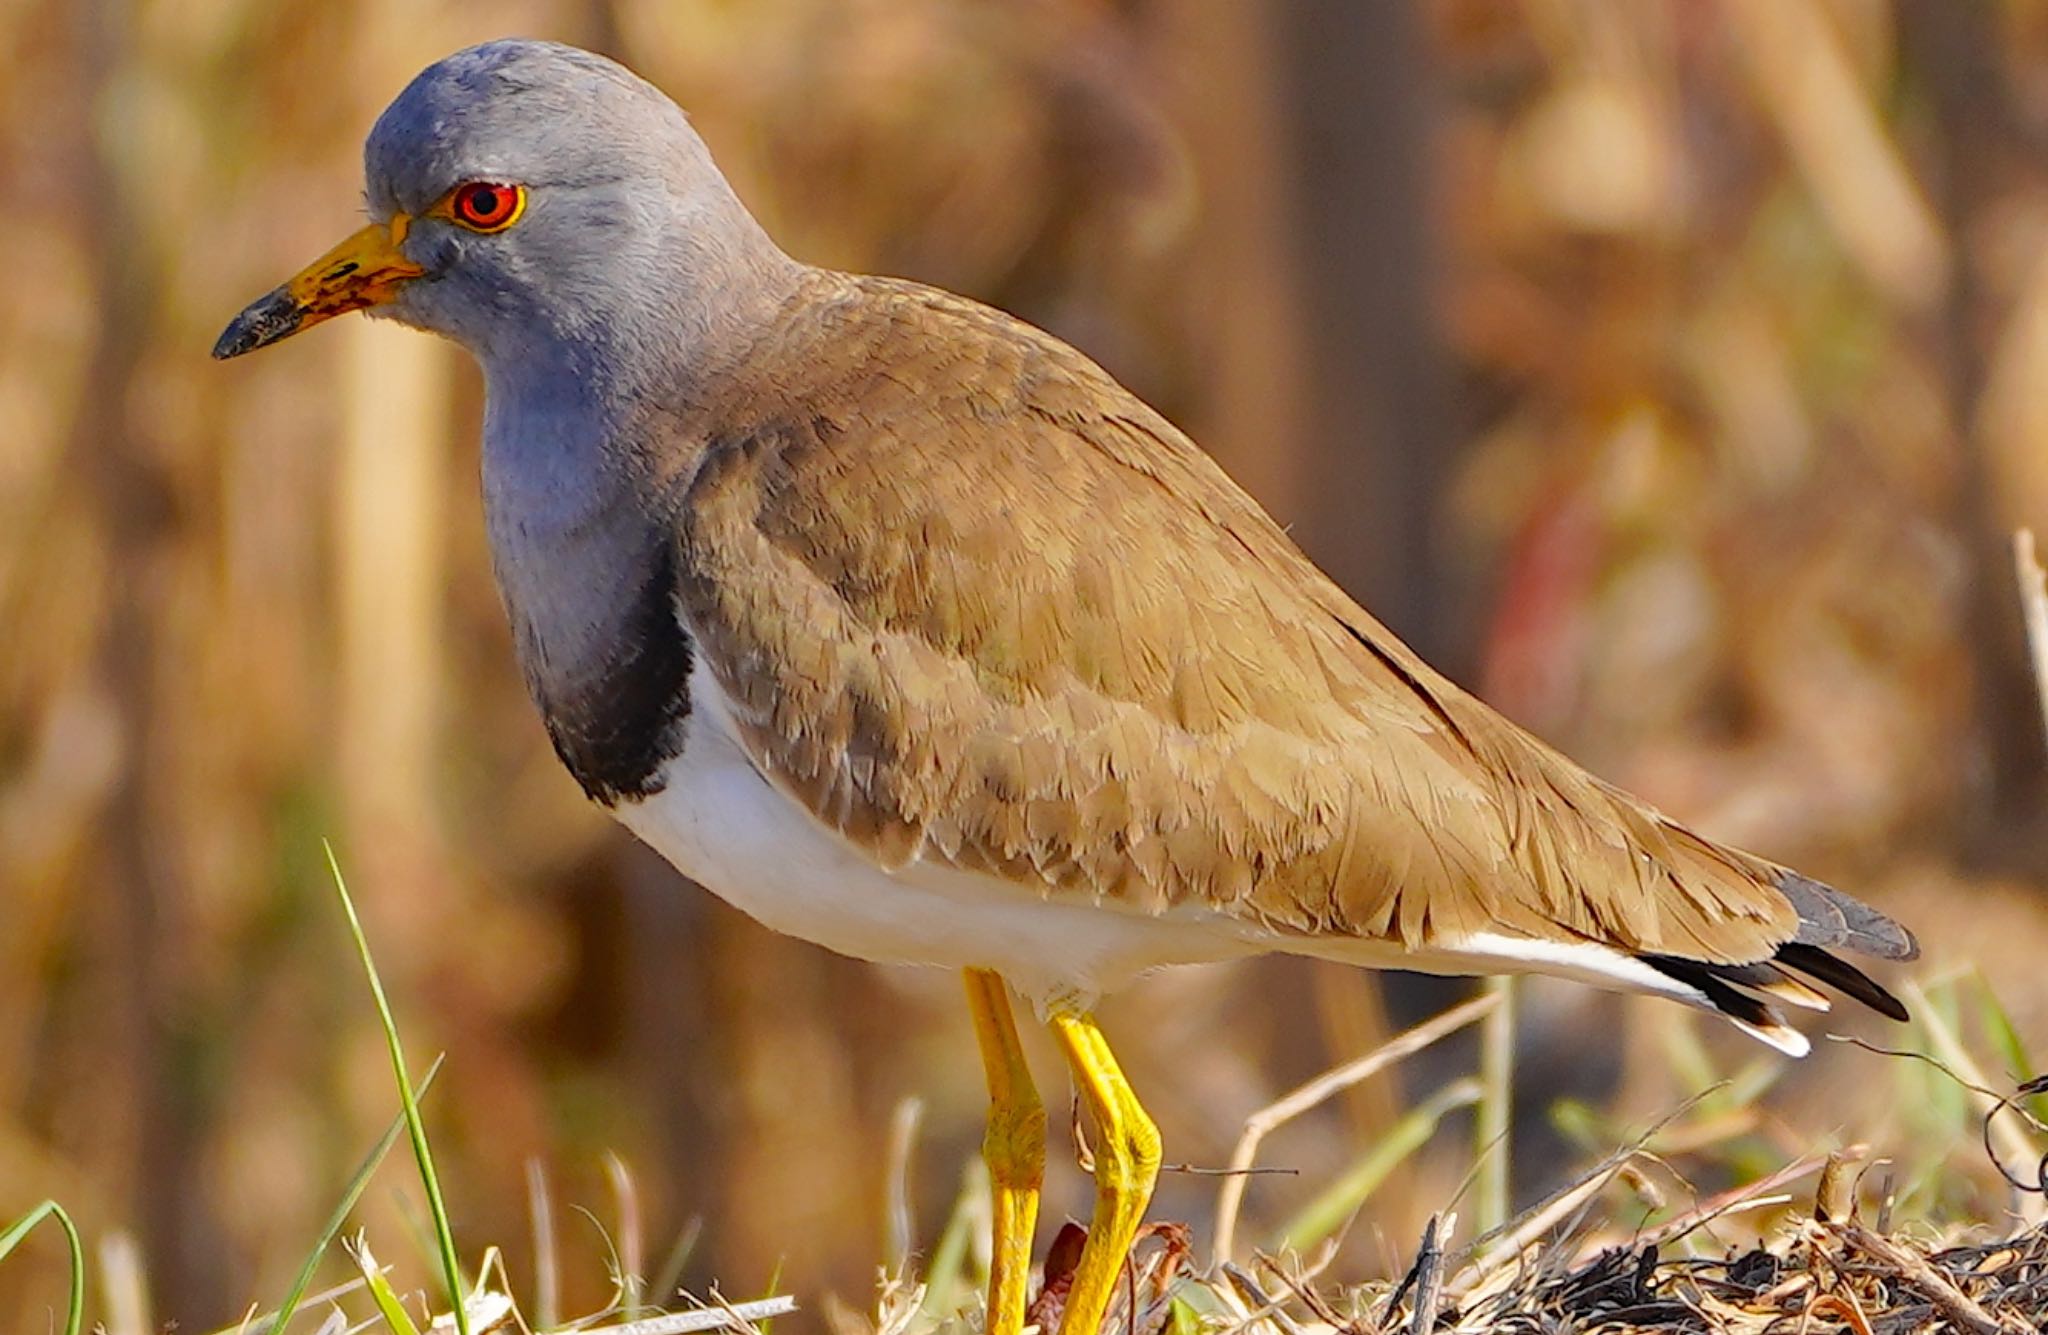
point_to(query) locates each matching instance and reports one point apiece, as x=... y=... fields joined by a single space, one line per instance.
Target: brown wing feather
x=975 y=602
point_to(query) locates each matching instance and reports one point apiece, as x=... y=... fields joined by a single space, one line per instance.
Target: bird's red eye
x=486 y=206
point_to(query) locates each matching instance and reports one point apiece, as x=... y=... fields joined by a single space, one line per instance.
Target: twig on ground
x=1959 y=1307
x=1408 y=1280
x=1263 y=1306
x=1429 y=1282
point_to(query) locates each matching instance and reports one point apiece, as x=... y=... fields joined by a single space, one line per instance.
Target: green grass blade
x=1342 y=1198
x=670 y=1281
x=356 y=1186
x=388 y=1306
x=74 y=1322
x=451 y=1268
x=2005 y=1036
x=774 y=1287
x=946 y=1272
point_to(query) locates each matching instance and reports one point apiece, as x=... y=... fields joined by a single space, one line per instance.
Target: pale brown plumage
x=975 y=602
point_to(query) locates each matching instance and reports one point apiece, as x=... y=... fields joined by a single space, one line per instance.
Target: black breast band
x=616 y=728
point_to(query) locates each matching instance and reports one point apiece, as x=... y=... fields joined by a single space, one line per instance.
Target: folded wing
x=976 y=603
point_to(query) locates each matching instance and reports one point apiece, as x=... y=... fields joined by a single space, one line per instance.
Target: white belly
x=729 y=829
x=725 y=826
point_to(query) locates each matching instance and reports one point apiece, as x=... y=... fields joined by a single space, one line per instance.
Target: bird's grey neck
x=577 y=502
x=586 y=452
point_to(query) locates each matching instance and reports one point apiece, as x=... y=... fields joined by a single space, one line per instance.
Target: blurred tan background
x=1672 y=372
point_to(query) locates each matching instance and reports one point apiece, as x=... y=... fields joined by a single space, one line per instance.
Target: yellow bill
x=367 y=269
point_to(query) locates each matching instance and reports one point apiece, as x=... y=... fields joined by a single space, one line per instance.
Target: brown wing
x=975 y=602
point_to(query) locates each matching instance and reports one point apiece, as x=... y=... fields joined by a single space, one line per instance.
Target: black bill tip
x=265 y=321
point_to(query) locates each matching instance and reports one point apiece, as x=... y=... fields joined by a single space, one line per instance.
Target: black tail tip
x=1842 y=976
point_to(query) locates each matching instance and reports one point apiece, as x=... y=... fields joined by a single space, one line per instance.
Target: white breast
x=730 y=829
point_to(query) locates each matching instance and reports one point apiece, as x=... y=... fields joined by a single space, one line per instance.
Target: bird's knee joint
x=1128 y=1160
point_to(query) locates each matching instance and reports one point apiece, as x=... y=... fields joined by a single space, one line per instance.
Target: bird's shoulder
x=972 y=600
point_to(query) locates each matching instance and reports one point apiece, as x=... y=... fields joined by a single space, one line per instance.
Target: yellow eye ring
x=487 y=206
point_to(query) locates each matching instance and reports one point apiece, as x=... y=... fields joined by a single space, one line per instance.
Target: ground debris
x=1824 y=1276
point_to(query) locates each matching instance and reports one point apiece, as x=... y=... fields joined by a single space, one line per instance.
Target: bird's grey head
x=535 y=200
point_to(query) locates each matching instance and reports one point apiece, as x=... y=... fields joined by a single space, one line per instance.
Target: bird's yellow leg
x=1126 y=1165
x=1014 y=1149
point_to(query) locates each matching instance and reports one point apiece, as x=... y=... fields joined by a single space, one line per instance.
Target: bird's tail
x=1828 y=921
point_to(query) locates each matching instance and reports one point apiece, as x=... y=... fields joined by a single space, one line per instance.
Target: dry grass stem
x=721 y=1316
x=547 y=1273
x=900 y=1219
x=1491 y=1189
x=1230 y=1195
x=1763 y=1193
